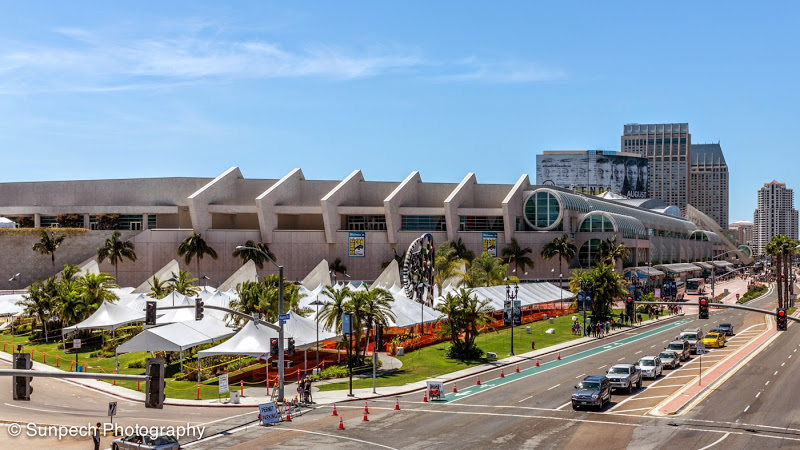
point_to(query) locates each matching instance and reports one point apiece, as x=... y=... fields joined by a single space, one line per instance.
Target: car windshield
x=688 y=336
x=591 y=385
x=619 y=370
x=711 y=336
x=160 y=440
x=647 y=362
x=724 y=325
x=667 y=355
x=676 y=346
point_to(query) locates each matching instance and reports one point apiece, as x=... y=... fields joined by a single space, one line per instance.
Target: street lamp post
x=511 y=296
x=12 y=282
x=317 y=303
x=714 y=273
x=205 y=279
x=173 y=281
x=280 y=311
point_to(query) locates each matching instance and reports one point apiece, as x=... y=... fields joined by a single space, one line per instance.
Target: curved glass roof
x=710 y=235
x=622 y=223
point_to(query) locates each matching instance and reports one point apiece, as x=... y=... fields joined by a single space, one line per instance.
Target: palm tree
x=462 y=251
x=609 y=251
x=331 y=314
x=513 y=253
x=447 y=264
x=158 y=288
x=251 y=298
x=48 y=244
x=338 y=267
x=774 y=248
x=605 y=284
x=37 y=303
x=115 y=251
x=185 y=285
x=95 y=290
x=486 y=270
x=195 y=246
x=377 y=309
x=562 y=247
x=248 y=254
x=465 y=315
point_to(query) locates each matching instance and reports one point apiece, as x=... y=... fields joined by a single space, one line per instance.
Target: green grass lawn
x=431 y=362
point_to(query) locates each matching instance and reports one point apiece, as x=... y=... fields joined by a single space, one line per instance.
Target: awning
x=178 y=336
x=643 y=272
x=722 y=264
x=704 y=265
x=108 y=317
x=678 y=267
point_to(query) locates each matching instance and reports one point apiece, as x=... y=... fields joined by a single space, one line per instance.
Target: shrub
x=334 y=372
x=136 y=364
x=463 y=353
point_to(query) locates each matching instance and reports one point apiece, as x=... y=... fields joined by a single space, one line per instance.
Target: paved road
x=529 y=409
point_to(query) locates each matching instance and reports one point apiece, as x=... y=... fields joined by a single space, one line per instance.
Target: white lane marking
x=795 y=351
x=776 y=372
x=666 y=386
x=718 y=440
x=337 y=436
x=652 y=345
x=563 y=406
x=73 y=413
x=647 y=398
x=226 y=418
x=553 y=387
x=759 y=394
x=628 y=410
x=581 y=375
x=748 y=407
x=525 y=399
x=783 y=363
x=680 y=376
x=604 y=365
x=765 y=384
x=638 y=352
x=790 y=356
x=621 y=359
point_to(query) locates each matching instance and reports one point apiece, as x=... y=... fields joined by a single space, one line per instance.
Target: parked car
x=651 y=366
x=714 y=340
x=625 y=376
x=727 y=328
x=670 y=358
x=592 y=391
x=145 y=442
x=683 y=348
x=692 y=336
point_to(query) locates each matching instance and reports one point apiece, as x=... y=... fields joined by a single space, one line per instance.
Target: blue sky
x=146 y=89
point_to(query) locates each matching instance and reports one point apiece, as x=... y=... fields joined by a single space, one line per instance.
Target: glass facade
x=542 y=210
x=366 y=223
x=596 y=223
x=588 y=252
x=480 y=223
x=423 y=223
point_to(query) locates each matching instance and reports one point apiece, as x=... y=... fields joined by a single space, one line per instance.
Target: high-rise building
x=742 y=231
x=708 y=182
x=775 y=215
x=667 y=147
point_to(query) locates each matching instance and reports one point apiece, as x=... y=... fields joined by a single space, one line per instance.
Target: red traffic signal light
x=629 y=300
x=781 y=313
x=703 y=302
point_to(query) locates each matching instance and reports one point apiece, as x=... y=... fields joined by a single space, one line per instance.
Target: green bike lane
x=554 y=364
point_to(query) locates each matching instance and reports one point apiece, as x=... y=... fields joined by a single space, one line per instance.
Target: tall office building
x=775 y=215
x=708 y=182
x=742 y=231
x=667 y=147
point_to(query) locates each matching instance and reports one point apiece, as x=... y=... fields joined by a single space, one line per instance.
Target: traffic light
x=150 y=313
x=630 y=307
x=273 y=347
x=290 y=347
x=199 y=306
x=781 y=319
x=703 y=313
x=22 y=385
x=155 y=384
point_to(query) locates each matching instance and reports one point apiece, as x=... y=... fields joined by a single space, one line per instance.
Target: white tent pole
x=305 y=361
x=181 y=353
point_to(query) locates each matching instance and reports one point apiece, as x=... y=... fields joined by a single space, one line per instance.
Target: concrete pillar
x=86 y=223
x=144 y=221
x=37 y=220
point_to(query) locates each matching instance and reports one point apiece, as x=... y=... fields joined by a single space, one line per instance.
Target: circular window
x=543 y=210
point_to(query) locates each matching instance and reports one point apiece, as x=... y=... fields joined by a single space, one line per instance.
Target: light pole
x=11 y=281
x=511 y=296
x=317 y=303
x=714 y=273
x=280 y=311
x=173 y=281
x=205 y=279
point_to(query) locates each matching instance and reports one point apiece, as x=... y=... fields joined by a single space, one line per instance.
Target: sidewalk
x=256 y=396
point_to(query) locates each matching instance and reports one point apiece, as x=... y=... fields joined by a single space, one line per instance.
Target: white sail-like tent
x=407 y=312
x=107 y=317
x=252 y=340
x=304 y=331
x=529 y=294
x=8 y=305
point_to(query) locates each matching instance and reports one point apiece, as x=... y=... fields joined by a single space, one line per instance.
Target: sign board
x=594 y=172
x=507 y=312
x=347 y=326
x=435 y=389
x=112 y=409
x=284 y=317
x=701 y=348
x=356 y=244
x=268 y=413
x=223 y=383
x=490 y=243
x=657 y=293
x=76 y=343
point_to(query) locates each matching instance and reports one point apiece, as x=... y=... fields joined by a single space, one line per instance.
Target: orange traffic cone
x=365 y=419
x=455 y=387
x=502 y=375
x=479 y=380
x=288 y=416
x=334 y=410
x=341 y=423
x=559 y=356
x=517 y=368
x=366 y=408
x=425 y=396
x=397 y=404
x=537 y=362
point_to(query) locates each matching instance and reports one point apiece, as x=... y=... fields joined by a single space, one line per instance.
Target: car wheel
x=574 y=406
x=639 y=383
x=114 y=447
x=630 y=388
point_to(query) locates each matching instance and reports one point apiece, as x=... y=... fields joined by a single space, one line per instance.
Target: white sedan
x=651 y=366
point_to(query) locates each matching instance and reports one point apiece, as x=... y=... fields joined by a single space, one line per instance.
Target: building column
x=86 y=223
x=144 y=221
x=37 y=220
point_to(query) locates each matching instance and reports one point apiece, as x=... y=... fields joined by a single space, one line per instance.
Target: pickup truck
x=625 y=376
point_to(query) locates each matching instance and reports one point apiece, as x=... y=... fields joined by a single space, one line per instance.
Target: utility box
x=235 y=397
x=527 y=330
x=400 y=351
x=316 y=371
x=552 y=320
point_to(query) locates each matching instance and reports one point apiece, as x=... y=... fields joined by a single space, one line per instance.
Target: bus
x=695 y=286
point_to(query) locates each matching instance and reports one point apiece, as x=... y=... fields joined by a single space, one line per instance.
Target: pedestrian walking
x=607 y=326
x=96 y=436
x=300 y=391
x=307 y=390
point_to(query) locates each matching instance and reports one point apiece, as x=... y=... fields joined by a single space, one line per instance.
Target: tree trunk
x=778 y=273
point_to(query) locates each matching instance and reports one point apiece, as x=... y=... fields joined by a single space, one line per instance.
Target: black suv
x=592 y=391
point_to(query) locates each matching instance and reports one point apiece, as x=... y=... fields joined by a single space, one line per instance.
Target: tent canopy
x=8 y=305
x=678 y=267
x=643 y=272
x=251 y=340
x=108 y=317
x=177 y=336
x=529 y=294
x=304 y=331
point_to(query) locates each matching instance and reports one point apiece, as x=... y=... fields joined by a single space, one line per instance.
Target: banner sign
x=268 y=413
x=435 y=389
x=594 y=172
x=507 y=312
x=347 y=327
x=223 y=383
x=356 y=244
x=490 y=243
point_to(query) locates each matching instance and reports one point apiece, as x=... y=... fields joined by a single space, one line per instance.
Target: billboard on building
x=490 y=243
x=356 y=244
x=594 y=173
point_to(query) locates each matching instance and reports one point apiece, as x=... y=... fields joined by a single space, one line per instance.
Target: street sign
x=284 y=317
x=112 y=409
x=580 y=297
x=223 y=383
x=701 y=348
x=76 y=343
x=268 y=413
x=347 y=327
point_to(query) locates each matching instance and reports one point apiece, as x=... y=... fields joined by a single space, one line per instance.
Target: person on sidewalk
x=96 y=436
x=307 y=390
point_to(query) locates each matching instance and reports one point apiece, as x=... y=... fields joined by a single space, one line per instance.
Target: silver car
x=651 y=366
x=670 y=358
x=145 y=442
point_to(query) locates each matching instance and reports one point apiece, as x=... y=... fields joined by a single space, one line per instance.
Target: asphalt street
x=532 y=408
